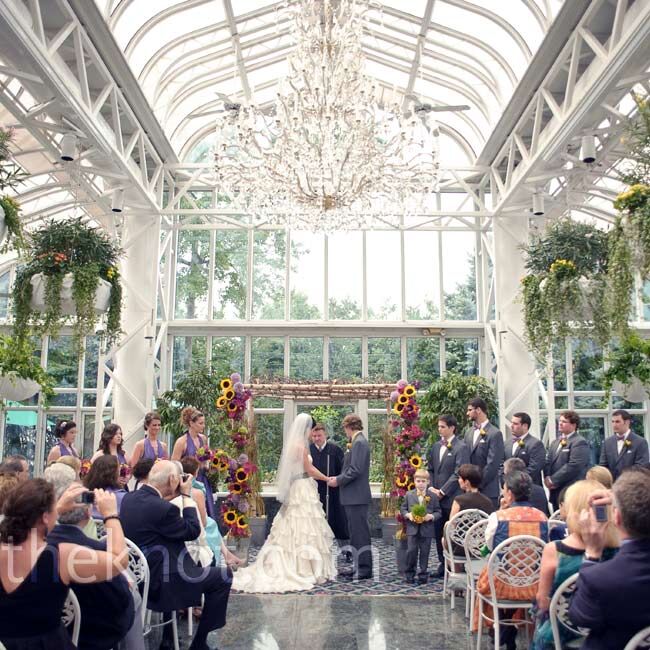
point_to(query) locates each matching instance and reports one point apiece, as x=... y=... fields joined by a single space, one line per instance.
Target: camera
x=600 y=512
x=185 y=477
x=86 y=497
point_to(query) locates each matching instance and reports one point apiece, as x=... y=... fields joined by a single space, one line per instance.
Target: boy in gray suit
x=419 y=535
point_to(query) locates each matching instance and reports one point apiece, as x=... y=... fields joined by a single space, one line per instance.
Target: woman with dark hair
x=189 y=443
x=104 y=474
x=110 y=443
x=66 y=432
x=469 y=480
x=35 y=576
x=150 y=446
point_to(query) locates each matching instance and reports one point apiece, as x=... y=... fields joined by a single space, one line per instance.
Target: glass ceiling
x=469 y=52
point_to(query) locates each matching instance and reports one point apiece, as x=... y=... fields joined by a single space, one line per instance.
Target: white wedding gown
x=298 y=552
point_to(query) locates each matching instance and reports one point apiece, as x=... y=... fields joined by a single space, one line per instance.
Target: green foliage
x=58 y=248
x=620 y=277
x=419 y=510
x=450 y=394
x=326 y=414
x=10 y=174
x=17 y=355
x=15 y=235
x=630 y=360
x=637 y=143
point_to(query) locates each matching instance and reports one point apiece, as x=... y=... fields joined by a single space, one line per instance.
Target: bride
x=298 y=552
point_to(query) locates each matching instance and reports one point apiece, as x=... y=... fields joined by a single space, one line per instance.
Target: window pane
x=306 y=358
x=593 y=429
x=62 y=362
x=269 y=261
x=384 y=359
x=587 y=363
x=383 y=254
x=330 y=415
x=192 y=265
x=20 y=434
x=189 y=352
x=376 y=425
x=89 y=433
x=345 y=358
x=423 y=360
x=345 y=280
x=228 y=354
x=230 y=275
x=4 y=295
x=267 y=357
x=269 y=436
x=459 y=275
x=422 y=269
x=307 y=271
x=461 y=355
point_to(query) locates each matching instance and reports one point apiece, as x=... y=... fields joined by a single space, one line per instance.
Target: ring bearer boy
x=419 y=535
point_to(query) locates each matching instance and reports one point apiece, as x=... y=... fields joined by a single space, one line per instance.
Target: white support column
x=516 y=373
x=134 y=363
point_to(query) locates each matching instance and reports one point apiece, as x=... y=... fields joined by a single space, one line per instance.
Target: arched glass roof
x=446 y=51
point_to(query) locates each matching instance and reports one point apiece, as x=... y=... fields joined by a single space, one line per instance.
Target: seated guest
x=469 y=480
x=8 y=481
x=158 y=528
x=16 y=463
x=602 y=475
x=516 y=517
x=611 y=598
x=537 y=494
x=104 y=474
x=141 y=471
x=107 y=608
x=563 y=558
x=71 y=461
x=35 y=574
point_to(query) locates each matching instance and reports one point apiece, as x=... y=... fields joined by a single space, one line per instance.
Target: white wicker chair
x=474 y=562
x=556 y=515
x=515 y=562
x=640 y=641
x=139 y=570
x=559 y=613
x=454 y=532
x=554 y=523
x=71 y=615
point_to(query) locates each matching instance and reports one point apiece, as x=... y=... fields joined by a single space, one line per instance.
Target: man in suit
x=354 y=484
x=525 y=446
x=624 y=448
x=443 y=461
x=611 y=598
x=567 y=460
x=537 y=497
x=157 y=527
x=486 y=449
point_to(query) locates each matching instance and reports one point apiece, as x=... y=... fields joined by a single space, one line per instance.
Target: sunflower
x=221 y=402
x=230 y=517
x=229 y=394
x=398 y=408
x=241 y=522
x=232 y=407
x=409 y=391
x=225 y=384
x=416 y=461
x=402 y=399
x=411 y=486
x=401 y=481
x=241 y=475
x=223 y=465
x=236 y=488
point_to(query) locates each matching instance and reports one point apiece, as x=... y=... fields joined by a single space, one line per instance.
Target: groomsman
x=567 y=460
x=624 y=448
x=443 y=460
x=486 y=448
x=525 y=446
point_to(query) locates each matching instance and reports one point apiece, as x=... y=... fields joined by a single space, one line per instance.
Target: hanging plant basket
x=635 y=391
x=68 y=305
x=3 y=225
x=15 y=388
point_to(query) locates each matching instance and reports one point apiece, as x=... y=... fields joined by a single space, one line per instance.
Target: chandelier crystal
x=336 y=151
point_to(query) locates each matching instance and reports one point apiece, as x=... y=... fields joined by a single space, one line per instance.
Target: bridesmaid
x=150 y=447
x=111 y=443
x=187 y=445
x=66 y=432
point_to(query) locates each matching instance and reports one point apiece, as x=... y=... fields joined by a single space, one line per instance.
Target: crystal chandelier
x=334 y=153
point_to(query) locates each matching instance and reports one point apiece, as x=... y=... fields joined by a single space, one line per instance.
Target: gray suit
x=419 y=535
x=636 y=453
x=354 y=484
x=488 y=453
x=532 y=452
x=566 y=464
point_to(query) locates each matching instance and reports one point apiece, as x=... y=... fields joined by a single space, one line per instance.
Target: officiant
x=328 y=458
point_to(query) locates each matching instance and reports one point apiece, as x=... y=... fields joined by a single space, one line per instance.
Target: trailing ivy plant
x=628 y=361
x=62 y=247
x=17 y=356
x=563 y=293
x=10 y=176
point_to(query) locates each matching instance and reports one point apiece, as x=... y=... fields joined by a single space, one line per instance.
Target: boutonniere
x=348 y=446
x=563 y=443
x=427 y=499
x=482 y=433
x=448 y=445
x=520 y=443
x=627 y=443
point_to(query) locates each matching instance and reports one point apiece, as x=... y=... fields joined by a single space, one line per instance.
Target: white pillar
x=516 y=372
x=134 y=363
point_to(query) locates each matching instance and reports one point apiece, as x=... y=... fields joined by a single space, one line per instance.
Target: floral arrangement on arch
x=233 y=398
x=85 y=467
x=407 y=441
x=235 y=509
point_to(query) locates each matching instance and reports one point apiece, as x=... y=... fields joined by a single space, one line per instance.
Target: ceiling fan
x=230 y=106
x=420 y=107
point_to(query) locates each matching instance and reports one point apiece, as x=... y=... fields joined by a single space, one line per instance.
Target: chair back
x=139 y=569
x=559 y=611
x=557 y=515
x=101 y=528
x=640 y=641
x=475 y=540
x=71 y=615
x=554 y=523
x=516 y=562
x=458 y=526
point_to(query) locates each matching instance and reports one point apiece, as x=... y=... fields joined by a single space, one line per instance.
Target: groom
x=354 y=484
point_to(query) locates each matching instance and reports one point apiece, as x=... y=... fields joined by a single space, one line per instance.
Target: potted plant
x=11 y=232
x=628 y=371
x=563 y=293
x=21 y=374
x=70 y=275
